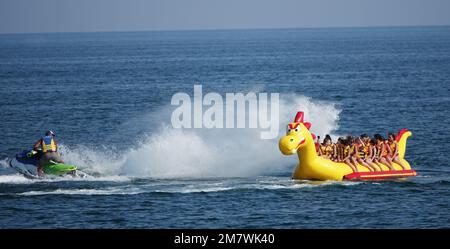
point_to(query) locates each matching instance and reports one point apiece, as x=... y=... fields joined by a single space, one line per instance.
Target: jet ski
x=26 y=163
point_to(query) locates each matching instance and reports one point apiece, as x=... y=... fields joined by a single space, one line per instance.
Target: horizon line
x=225 y=29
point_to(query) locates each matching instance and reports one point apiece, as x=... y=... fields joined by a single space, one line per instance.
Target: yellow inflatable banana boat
x=313 y=167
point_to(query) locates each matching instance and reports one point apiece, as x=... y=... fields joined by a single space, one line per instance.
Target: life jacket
x=354 y=150
x=347 y=150
x=329 y=150
x=48 y=144
x=379 y=149
x=366 y=150
x=375 y=152
x=340 y=151
x=382 y=151
x=323 y=149
x=361 y=151
x=386 y=149
x=393 y=146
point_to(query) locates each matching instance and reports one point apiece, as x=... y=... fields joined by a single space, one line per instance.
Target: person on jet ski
x=49 y=150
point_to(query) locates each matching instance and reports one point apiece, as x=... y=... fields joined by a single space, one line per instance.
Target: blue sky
x=22 y=16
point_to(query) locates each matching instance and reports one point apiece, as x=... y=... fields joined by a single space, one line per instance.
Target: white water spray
x=197 y=153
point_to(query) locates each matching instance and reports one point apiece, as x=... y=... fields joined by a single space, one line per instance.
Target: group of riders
x=364 y=150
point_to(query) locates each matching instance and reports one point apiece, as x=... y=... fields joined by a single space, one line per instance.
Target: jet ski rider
x=49 y=151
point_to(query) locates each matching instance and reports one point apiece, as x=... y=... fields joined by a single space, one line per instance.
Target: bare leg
x=368 y=164
x=387 y=163
x=374 y=166
x=347 y=161
x=365 y=164
x=397 y=161
x=378 y=164
x=354 y=162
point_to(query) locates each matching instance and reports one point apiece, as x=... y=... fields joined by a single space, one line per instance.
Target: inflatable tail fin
x=401 y=139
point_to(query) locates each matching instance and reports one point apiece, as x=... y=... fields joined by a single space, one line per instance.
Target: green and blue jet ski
x=26 y=164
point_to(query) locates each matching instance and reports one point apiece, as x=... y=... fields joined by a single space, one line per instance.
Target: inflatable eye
x=288 y=129
x=296 y=129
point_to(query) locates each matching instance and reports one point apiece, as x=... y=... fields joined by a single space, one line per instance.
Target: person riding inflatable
x=49 y=149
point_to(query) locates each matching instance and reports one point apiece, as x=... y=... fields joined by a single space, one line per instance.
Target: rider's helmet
x=50 y=133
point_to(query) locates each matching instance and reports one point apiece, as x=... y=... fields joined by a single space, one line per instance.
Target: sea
x=107 y=96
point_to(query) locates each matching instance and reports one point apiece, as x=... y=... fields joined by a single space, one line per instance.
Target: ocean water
x=107 y=96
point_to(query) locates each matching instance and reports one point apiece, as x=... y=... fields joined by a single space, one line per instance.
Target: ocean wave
x=16 y=179
x=141 y=186
x=20 y=179
x=107 y=191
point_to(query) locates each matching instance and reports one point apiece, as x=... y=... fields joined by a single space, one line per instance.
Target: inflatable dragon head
x=297 y=136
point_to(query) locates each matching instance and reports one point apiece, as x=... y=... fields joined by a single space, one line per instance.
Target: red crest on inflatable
x=299 y=117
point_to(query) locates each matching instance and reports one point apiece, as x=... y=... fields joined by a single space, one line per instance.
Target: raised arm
x=362 y=142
